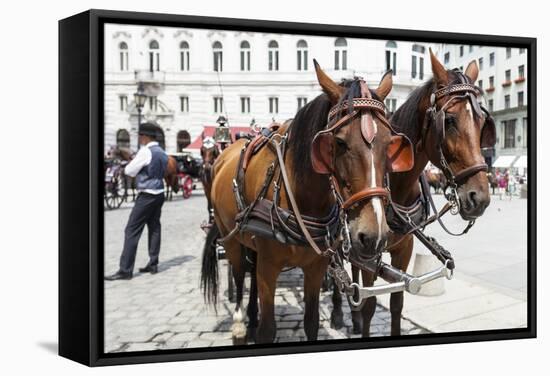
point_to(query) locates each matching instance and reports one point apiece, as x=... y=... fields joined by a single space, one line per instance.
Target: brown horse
x=436 y=180
x=170 y=175
x=451 y=138
x=209 y=152
x=352 y=153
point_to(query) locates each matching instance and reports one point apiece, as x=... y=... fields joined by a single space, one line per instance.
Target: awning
x=208 y=131
x=504 y=161
x=521 y=162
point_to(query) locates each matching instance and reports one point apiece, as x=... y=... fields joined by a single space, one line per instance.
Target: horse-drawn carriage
x=318 y=195
x=115 y=187
x=189 y=169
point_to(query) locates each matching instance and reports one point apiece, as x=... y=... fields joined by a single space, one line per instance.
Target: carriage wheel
x=115 y=193
x=230 y=284
x=187 y=186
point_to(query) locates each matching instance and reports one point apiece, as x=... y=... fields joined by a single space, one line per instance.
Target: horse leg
x=356 y=317
x=400 y=259
x=266 y=276
x=336 y=316
x=313 y=278
x=252 y=309
x=370 y=304
x=234 y=253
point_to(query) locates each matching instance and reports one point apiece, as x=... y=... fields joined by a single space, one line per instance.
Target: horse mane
x=311 y=119
x=406 y=118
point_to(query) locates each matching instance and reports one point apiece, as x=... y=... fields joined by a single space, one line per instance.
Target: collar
x=152 y=143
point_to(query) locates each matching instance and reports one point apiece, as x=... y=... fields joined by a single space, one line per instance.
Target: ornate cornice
x=181 y=32
x=151 y=30
x=119 y=34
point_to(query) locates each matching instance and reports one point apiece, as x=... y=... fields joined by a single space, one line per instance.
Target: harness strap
x=364 y=195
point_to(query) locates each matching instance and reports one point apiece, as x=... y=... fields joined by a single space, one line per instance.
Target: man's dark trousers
x=146 y=211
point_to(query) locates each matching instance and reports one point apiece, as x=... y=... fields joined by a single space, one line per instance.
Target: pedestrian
x=148 y=168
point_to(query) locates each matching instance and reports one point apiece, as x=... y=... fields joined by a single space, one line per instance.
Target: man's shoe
x=153 y=269
x=118 y=275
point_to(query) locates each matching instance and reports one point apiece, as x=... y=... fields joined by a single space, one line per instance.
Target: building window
x=184 y=56
x=122 y=138
x=492 y=81
x=521 y=51
x=217 y=53
x=301 y=52
x=245 y=105
x=154 y=56
x=273 y=55
x=480 y=62
x=521 y=71
x=184 y=104
x=183 y=139
x=507 y=75
x=273 y=105
x=218 y=105
x=340 y=54
x=391 y=105
x=302 y=101
x=480 y=84
x=461 y=51
x=470 y=49
x=245 y=56
x=508 y=52
x=123 y=102
x=491 y=59
x=490 y=104
x=391 y=56
x=509 y=133
x=123 y=52
x=153 y=104
x=446 y=57
x=417 y=68
x=520 y=99
x=506 y=101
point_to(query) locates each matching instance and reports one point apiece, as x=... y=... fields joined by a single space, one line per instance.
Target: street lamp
x=139 y=98
x=222 y=134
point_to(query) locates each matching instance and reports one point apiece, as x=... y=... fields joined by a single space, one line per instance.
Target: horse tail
x=209 y=268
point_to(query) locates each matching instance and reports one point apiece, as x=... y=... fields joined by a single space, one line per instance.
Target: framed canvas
x=256 y=187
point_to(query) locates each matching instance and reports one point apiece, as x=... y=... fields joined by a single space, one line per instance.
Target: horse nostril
x=473 y=199
x=364 y=239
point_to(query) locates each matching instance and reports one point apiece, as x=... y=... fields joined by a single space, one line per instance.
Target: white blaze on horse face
x=376 y=203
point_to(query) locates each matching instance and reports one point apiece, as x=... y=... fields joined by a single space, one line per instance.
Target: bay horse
x=340 y=165
x=435 y=179
x=170 y=175
x=448 y=127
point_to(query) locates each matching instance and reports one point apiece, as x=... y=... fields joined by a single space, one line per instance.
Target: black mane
x=311 y=119
x=406 y=118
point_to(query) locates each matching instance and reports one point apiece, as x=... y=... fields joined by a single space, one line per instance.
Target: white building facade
x=192 y=76
x=503 y=77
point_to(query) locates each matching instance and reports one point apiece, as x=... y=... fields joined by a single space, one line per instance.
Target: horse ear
x=472 y=71
x=385 y=86
x=331 y=88
x=439 y=71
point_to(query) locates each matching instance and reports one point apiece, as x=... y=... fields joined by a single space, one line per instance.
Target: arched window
x=245 y=56
x=154 y=56
x=183 y=140
x=273 y=55
x=417 y=59
x=184 y=56
x=218 y=56
x=391 y=56
x=123 y=53
x=122 y=138
x=340 y=54
x=301 y=48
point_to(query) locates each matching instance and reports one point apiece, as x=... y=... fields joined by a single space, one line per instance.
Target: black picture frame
x=81 y=210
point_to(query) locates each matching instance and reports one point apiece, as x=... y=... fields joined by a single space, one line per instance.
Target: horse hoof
x=336 y=321
x=251 y=335
x=357 y=329
x=238 y=340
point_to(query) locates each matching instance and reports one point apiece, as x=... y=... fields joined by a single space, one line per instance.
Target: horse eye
x=341 y=144
x=450 y=121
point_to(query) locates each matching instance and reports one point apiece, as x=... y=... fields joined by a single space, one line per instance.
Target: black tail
x=209 y=269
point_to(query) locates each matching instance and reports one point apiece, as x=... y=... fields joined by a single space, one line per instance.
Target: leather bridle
x=436 y=117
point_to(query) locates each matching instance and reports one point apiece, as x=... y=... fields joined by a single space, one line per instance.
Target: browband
x=456 y=88
x=360 y=103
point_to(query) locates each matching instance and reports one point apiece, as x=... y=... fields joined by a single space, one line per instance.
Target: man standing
x=148 y=168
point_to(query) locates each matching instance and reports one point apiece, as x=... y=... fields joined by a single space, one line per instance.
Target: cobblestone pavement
x=167 y=311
